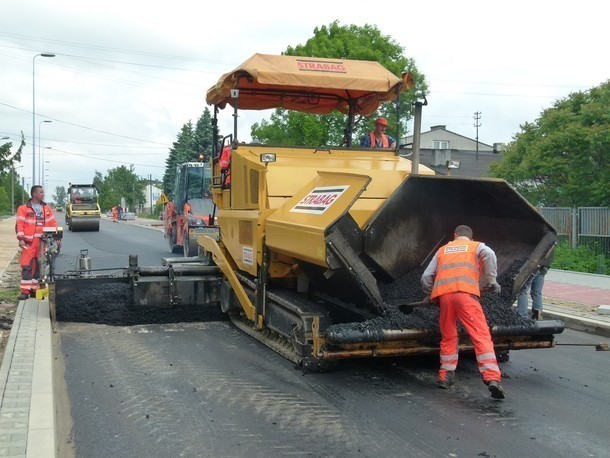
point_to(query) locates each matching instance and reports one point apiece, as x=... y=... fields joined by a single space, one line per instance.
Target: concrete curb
x=27 y=407
x=578 y=323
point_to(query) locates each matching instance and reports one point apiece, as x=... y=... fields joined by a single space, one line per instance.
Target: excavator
x=319 y=249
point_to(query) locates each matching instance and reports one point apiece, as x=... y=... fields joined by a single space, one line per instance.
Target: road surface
x=206 y=389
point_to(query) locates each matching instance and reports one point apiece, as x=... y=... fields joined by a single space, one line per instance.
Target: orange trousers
x=467 y=309
x=30 y=269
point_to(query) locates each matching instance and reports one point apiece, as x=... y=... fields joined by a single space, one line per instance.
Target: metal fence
x=581 y=226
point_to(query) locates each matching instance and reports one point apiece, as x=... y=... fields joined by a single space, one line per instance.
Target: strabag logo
x=456 y=249
x=320 y=66
x=319 y=199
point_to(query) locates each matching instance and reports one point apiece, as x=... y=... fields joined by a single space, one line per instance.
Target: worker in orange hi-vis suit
x=452 y=280
x=115 y=214
x=225 y=166
x=32 y=217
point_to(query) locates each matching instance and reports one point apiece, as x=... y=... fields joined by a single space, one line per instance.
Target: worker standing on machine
x=32 y=218
x=452 y=280
x=378 y=138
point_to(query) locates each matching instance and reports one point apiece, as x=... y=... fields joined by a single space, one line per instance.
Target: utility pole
x=150 y=190
x=477 y=124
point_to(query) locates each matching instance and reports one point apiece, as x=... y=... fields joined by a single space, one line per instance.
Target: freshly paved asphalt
x=27 y=408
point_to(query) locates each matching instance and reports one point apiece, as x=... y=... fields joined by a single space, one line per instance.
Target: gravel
x=497 y=307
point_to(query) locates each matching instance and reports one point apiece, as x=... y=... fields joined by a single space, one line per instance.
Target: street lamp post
x=45 y=175
x=40 y=165
x=44 y=54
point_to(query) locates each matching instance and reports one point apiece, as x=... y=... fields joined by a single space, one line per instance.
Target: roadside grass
x=9 y=294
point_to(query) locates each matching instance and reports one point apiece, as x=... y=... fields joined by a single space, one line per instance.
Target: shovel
x=408 y=308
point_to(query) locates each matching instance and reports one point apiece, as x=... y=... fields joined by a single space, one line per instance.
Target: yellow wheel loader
x=320 y=248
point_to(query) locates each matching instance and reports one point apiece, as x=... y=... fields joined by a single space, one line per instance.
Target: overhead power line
x=86 y=127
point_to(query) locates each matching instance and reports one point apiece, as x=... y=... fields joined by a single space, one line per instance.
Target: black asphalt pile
x=497 y=307
x=112 y=304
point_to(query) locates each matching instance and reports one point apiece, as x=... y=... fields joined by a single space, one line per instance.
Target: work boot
x=536 y=315
x=447 y=381
x=495 y=389
x=23 y=296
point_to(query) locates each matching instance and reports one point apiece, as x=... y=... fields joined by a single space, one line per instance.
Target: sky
x=128 y=74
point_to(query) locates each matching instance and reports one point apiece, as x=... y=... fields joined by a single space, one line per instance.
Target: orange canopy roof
x=308 y=84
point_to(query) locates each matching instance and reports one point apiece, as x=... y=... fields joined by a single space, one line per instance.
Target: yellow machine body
x=311 y=237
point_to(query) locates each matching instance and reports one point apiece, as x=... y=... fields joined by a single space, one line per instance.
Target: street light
x=13 y=168
x=45 y=175
x=42 y=163
x=44 y=54
x=39 y=141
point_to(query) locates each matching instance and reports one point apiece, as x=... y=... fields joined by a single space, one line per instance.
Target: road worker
x=225 y=166
x=32 y=217
x=452 y=280
x=378 y=138
x=115 y=214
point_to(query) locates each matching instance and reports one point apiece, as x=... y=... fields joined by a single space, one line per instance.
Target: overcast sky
x=128 y=74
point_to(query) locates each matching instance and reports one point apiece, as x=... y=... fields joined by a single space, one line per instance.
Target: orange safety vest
x=225 y=164
x=28 y=226
x=457 y=269
x=385 y=142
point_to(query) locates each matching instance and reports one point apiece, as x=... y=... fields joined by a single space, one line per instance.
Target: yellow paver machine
x=320 y=248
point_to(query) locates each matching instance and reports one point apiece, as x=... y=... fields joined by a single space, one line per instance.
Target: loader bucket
x=423 y=211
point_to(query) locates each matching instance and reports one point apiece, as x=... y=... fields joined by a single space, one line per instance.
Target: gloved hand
x=494 y=288
x=543 y=270
x=492 y=285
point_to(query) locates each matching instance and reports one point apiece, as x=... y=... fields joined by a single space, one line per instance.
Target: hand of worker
x=21 y=244
x=543 y=270
x=492 y=285
x=495 y=288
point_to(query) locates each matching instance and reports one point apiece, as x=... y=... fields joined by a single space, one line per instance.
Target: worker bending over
x=452 y=280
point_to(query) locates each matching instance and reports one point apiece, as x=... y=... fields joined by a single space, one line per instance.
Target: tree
x=182 y=151
x=9 y=181
x=5 y=201
x=120 y=182
x=202 y=137
x=61 y=196
x=343 y=42
x=563 y=157
x=8 y=159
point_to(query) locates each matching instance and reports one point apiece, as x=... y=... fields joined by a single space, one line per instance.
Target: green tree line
x=12 y=193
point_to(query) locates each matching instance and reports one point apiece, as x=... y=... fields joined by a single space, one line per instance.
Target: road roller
x=83 y=211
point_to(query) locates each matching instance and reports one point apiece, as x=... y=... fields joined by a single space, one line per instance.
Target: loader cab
x=193 y=181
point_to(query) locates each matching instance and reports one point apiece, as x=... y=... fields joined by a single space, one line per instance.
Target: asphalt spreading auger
x=319 y=249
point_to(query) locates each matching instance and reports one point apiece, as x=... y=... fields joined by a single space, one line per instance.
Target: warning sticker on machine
x=319 y=199
x=247 y=255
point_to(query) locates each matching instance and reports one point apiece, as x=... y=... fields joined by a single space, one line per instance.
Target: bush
x=579 y=259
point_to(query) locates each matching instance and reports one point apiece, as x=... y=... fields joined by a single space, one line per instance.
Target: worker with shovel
x=452 y=280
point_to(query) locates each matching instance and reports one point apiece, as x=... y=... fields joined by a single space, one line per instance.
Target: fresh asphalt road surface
x=111 y=246
x=206 y=389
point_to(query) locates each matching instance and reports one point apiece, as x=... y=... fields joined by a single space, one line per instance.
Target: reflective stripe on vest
x=385 y=143
x=457 y=269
